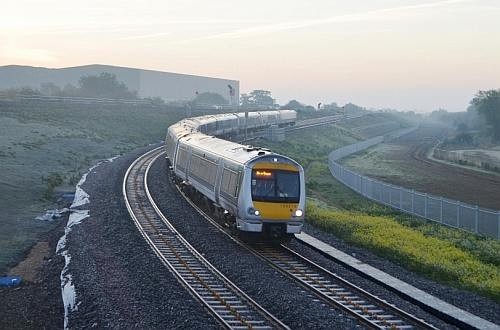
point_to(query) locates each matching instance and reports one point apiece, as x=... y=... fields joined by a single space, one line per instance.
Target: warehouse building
x=148 y=83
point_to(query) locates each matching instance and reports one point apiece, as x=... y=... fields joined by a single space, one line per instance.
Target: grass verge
x=437 y=258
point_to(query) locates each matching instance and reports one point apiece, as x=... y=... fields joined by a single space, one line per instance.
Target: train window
x=204 y=169
x=275 y=186
x=230 y=181
x=182 y=158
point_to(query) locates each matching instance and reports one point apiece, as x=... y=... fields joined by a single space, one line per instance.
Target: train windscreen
x=278 y=186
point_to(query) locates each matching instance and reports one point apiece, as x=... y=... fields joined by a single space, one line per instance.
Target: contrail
x=369 y=15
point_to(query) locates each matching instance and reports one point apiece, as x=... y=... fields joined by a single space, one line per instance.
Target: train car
x=259 y=190
x=287 y=118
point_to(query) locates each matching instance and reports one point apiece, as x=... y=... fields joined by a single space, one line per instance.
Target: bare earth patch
x=409 y=155
x=29 y=268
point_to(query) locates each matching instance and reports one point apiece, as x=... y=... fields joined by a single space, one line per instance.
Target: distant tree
x=155 y=100
x=298 y=106
x=210 y=99
x=331 y=107
x=352 y=108
x=50 y=89
x=70 y=90
x=440 y=115
x=13 y=92
x=462 y=127
x=246 y=101
x=257 y=99
x=105 y=85
x=262 y=98
x=464 y=139
x=294 y=105
x=487 y=104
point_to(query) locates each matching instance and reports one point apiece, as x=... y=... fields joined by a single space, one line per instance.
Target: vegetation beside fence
x=349 y=216
x=436 y=258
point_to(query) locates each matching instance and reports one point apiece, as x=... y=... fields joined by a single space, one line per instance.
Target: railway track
x=331 y=288
x=303 y=124
x=227 y=303
x=309 y=123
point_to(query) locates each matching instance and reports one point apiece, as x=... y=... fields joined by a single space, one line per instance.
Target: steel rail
x=309 y=123
x=331 y=288
x=225 y=301
x=368 y=308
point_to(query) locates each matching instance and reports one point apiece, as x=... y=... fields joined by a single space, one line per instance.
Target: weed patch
x=438 y=259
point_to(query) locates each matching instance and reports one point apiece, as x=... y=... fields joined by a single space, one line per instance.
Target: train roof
x=232 y=151
x=187 y=131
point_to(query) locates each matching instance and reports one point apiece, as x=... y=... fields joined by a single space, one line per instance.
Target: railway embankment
x=119 y=282
x=357 y=213
x=248 y=273
x=45 y=145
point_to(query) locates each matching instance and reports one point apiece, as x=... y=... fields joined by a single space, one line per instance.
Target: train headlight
x=299 y=213
x=253 y=211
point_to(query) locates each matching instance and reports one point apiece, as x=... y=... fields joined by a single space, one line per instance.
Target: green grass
x=430 y=255
x=44 y=145
x=376 y=162
x=444 y=254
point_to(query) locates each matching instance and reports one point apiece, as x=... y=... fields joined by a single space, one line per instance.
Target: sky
x=405 y=55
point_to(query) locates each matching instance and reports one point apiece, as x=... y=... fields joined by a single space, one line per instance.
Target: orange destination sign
x=263 y=173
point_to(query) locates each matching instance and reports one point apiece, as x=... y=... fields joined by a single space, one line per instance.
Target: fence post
x=400 y=198
x=413 y=201
x=458 y=214
x=425 y=206
x=362 y=187
x=476 y=220
x=498 y=223
x=441 y=209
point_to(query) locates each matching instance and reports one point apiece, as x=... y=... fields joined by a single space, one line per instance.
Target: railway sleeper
x=226 y=312
x=235 y=307
x=246 y=322
x=199 y=271
x=227 y=295
x=405 y=327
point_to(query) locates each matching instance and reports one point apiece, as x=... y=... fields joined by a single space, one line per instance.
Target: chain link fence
x=439 y=209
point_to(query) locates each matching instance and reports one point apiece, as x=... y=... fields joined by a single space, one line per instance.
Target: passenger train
x=258 y=190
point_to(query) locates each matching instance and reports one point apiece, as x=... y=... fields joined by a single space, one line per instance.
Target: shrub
x=53 y=180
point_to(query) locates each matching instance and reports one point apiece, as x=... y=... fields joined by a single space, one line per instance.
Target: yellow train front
x=252 y=188
x=272 y=197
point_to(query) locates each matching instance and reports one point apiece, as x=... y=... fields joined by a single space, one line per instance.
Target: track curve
x=331 y=288
x=225 y=301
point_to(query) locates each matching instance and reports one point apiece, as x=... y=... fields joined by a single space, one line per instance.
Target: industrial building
x=148 y=83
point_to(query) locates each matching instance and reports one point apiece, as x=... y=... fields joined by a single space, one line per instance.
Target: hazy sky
x=408 y=55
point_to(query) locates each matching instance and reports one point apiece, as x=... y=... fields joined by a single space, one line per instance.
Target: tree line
x=487 y=105
x=479 y=124
x=103 y=85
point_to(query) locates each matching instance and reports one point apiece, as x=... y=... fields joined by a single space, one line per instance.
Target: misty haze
x=259 y=165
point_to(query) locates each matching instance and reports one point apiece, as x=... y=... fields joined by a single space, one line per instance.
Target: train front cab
x=274 y=197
